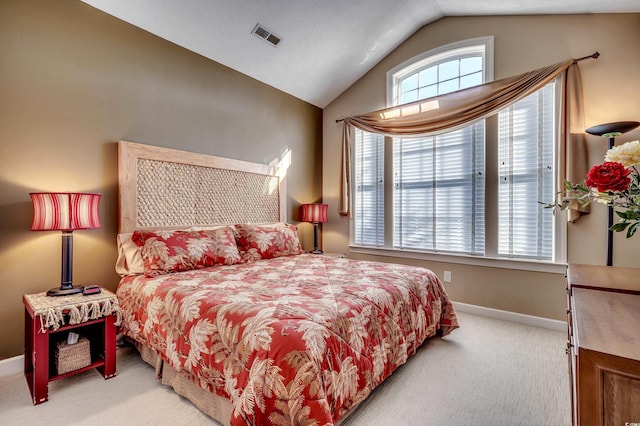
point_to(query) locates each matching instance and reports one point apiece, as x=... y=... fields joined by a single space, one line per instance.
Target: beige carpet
x=488 y=372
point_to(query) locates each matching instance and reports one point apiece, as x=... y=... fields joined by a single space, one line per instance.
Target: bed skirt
x=214 y=406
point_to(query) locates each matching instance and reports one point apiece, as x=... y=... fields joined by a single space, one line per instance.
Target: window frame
x=490 y=258
x=438 y=54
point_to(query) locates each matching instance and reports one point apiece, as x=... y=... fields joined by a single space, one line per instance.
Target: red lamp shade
x=64 y=211
x=315 y=213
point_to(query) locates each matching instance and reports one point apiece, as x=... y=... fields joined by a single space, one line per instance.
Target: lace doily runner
x=54 y=312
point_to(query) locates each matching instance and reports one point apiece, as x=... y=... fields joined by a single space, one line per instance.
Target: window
x=369 y=189
x=438 y=182
x=439 y=192
x=438 y=198
x=526 y=146
x=445 y=77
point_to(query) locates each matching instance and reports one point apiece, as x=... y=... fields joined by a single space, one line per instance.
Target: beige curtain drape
x=572 y=150
x=458 y=109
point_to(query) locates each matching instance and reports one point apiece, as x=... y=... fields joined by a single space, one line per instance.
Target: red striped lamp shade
x=65 y=211
x=315 y=213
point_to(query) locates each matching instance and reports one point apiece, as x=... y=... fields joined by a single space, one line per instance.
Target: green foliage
x=626 y=204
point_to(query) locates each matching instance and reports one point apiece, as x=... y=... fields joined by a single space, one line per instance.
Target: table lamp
x=66 y=212
x=314 y=213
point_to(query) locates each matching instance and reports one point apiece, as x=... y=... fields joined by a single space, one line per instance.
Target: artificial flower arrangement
x=616 y=182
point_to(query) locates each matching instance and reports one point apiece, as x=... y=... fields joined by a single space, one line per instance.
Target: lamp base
x=59 y=291
x=316 y=251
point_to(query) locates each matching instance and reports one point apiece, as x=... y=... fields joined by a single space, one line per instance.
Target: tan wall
x=73 y=81
x=611 y=88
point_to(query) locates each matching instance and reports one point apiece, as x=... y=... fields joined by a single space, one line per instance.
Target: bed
x=218 y=295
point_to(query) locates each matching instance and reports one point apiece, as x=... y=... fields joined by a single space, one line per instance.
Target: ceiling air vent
x=266 y=35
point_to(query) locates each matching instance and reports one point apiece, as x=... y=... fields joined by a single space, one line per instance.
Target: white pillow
x=129 y=256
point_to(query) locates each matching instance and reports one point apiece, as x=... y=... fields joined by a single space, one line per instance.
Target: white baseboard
x=11 y=366
x=511 y=316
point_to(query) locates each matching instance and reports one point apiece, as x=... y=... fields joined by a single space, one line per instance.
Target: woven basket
x=72 y=357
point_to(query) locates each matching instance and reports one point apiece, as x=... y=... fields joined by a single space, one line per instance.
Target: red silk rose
x=608 y=176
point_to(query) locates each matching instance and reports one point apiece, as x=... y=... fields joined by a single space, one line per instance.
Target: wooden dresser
x=604 y=344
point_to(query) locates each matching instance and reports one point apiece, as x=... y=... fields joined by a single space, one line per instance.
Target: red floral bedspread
x=292 y=340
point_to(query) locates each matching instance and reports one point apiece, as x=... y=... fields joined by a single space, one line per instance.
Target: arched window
x=435 y=191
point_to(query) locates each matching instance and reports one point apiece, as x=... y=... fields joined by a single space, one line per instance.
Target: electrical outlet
x=447 y=276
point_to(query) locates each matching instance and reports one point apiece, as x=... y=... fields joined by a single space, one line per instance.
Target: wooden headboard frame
x=162 y=188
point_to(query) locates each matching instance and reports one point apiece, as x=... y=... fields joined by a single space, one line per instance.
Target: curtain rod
x=595 y=55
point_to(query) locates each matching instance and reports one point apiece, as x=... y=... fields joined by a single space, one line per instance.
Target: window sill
x=523 y=265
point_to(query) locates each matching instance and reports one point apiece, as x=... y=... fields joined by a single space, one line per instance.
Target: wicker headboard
x=167 y=188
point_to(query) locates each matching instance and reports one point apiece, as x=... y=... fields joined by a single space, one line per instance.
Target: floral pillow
x=267 y=241
x=165 y=252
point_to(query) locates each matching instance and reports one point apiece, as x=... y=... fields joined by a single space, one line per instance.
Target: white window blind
x=439 y=192
x=368 y=209
x=526 y=173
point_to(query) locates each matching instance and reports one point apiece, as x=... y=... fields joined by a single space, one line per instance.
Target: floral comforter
x=292 y=340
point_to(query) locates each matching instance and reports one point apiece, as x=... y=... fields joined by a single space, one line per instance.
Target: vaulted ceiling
x=325 y=45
